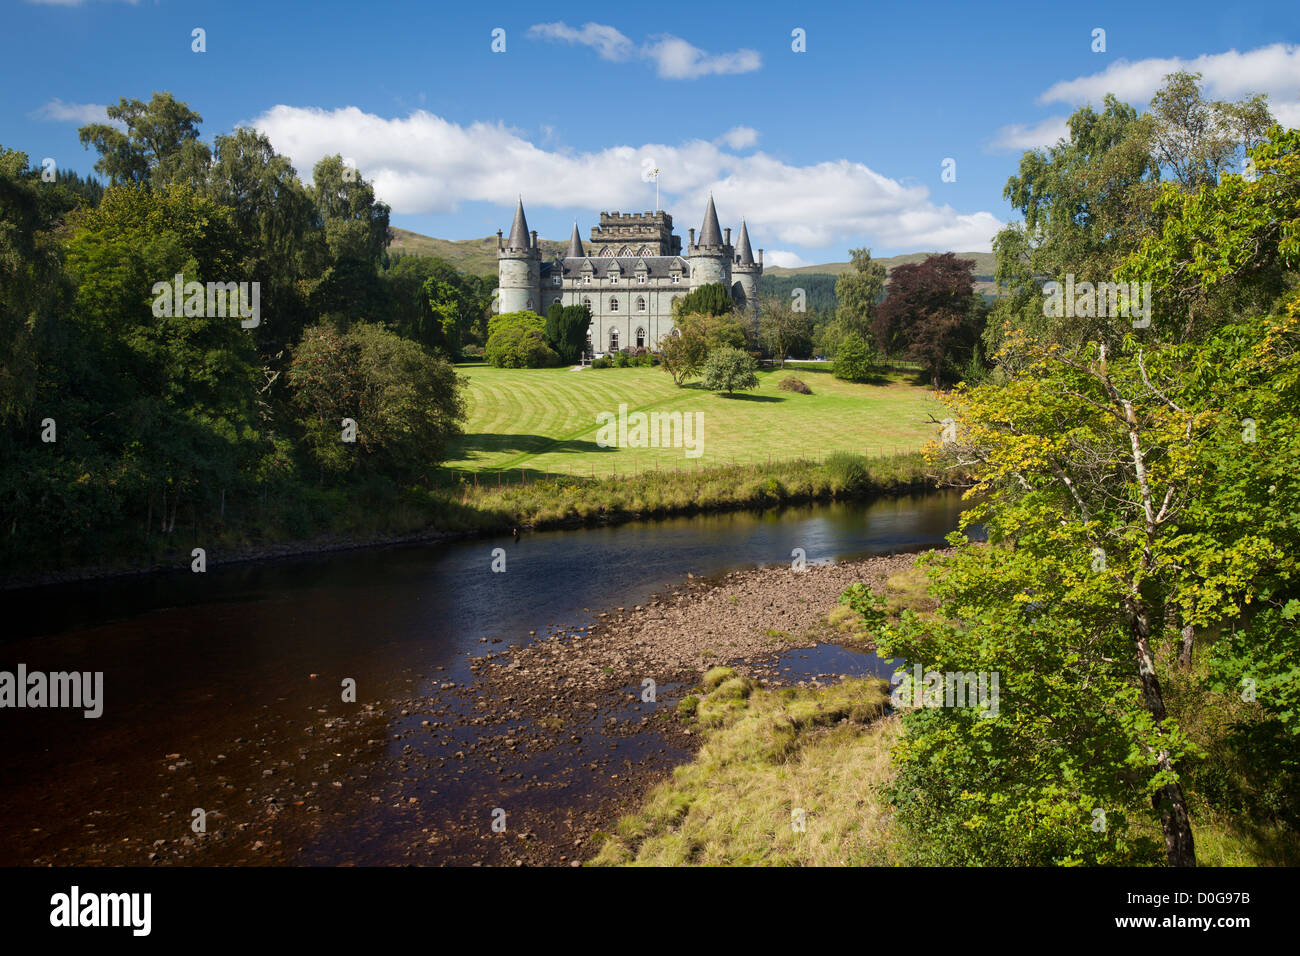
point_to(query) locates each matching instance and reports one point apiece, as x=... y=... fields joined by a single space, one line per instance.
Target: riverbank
x=459 y=508
x=558 y=733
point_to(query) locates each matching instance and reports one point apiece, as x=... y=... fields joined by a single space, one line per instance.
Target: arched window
x=530 y=303
x=625 y=251
x=676 y=333
x=640 y=338
x=604 y=253
x=613 y=340
x=613 y=304
x=586 y=300
x=640 y=303
x=555 y=301
x=644 y=251
x=738 y=295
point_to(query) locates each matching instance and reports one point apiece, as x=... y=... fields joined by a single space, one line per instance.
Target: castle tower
x=519 y=263
x=710 y=258
x=746 y=273
x=575 y=245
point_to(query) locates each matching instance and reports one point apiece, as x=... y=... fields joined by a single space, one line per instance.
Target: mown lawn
x=544 y=420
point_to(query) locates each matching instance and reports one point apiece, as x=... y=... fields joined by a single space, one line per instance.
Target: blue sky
x=836 y=147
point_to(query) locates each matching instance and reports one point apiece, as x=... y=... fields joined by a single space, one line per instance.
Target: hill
x=984 y=268
x=475 y=256
x=479 y=257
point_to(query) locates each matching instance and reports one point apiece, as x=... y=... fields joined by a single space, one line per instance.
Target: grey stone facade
x=632 y=273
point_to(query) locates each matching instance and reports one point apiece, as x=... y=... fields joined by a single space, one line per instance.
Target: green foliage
x=1224 y=250
x=279 y=228
x=171 y=424
x=518 y=340
x=783 y=331
x=566 y=331
x=1086 y=202
x=818 y=290
x=854 y=360
x=160 y=146
x=1070 y=735
x=858 y=292
x=728 y=369
x=712 y=298
x=404 y=401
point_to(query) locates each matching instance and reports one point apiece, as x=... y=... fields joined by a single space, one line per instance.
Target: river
x=210 y=680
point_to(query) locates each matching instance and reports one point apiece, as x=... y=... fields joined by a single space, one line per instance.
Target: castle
x=633 y=278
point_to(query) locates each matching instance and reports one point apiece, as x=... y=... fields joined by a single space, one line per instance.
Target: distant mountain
x=985 y=265
x=475 y=256
x=479 y=257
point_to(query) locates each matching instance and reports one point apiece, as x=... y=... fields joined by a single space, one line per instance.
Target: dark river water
x=194 y=664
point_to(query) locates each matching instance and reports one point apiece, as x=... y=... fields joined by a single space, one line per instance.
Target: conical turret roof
x=743 y=249
x=519 y=231
x=575 y=245
x=710 y=232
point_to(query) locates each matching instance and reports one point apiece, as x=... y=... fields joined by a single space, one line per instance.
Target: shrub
x=792 y=384
x=621 y=360
x=520 y=346
x=853 y=359
x=728 y=369
x=602 y=362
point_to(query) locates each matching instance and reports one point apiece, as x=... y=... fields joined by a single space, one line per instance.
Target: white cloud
x=81 y=113
x=738 y=137
x=783 y=259
x=1021 y=136
x=674 y=58
x=679 y=60
x=607 y=41
x=424 y=164
x=1273 y=69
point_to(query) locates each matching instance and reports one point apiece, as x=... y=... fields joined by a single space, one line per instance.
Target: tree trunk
x=1185 y=651
x=1168 y=801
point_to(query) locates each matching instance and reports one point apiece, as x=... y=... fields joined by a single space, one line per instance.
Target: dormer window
x=676 y=278
x=641 y=278
x=555 y=281
x=613 y=277
x=586 y=280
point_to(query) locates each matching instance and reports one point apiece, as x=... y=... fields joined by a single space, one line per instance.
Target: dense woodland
x=119 y=423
